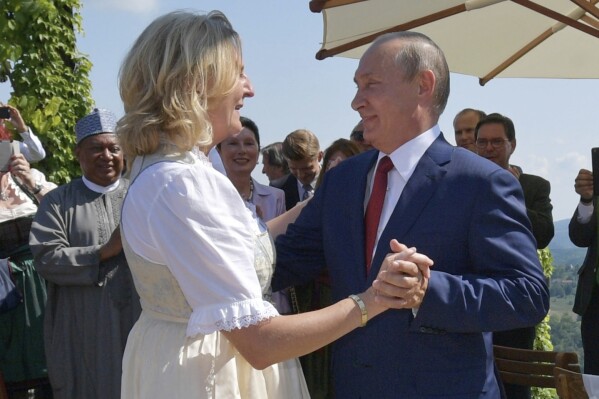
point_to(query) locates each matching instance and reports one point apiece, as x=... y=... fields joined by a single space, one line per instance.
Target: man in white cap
x=76 y=243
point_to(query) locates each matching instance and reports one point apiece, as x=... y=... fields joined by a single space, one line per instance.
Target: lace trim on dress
x=237 y=315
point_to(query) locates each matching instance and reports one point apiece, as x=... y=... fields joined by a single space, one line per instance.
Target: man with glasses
x=496 y=141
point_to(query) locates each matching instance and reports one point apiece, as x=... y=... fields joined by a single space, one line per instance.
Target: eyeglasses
x=495 y=143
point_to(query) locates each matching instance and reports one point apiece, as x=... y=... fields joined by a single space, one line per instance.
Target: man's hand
x=583 y=185
x=403 y=278
x=113 y=246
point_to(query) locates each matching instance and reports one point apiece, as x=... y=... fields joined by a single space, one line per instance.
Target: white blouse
x=189 y=217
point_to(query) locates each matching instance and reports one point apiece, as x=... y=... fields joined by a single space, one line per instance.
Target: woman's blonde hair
x=181 y=66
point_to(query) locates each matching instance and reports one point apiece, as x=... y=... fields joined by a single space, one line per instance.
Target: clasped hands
x=403 y=278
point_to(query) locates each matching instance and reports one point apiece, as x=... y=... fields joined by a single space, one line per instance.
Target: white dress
x=200 y=266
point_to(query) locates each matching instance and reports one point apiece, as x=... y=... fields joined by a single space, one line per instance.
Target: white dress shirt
x=405 y=159
x=585 y=211
x=31 y=146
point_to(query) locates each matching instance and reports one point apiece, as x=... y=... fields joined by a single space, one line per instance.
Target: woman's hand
x=16 y=119
x=20 y=168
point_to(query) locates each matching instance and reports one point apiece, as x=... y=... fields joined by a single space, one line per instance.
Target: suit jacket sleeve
x=498 y=283
x=582 y=235
x=538 y=209
x=300 y=252
x=55 y=256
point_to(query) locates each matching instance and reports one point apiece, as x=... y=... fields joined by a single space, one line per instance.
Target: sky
x=556 y=120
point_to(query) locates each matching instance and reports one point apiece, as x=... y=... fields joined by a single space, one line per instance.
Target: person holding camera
x=583 y=233
x=30 y=145
x=21 y=340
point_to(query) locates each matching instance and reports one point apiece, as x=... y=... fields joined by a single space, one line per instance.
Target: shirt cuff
x=26 y=134
x=585 y=211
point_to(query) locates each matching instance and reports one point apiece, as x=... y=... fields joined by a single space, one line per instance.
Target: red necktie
x=375 y=206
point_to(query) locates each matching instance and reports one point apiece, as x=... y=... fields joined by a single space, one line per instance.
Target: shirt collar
x=100 y=189
x=406 y=157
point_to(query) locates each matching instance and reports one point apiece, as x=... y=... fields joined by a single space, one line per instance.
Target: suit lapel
x=358 y=234
x=417 y=193
x=348 y=183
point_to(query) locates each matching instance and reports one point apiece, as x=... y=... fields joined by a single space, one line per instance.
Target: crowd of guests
x=376 y=268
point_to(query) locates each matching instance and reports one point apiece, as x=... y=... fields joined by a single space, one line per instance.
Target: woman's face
x=225 y=116
x=336 y=158
x=240 y=153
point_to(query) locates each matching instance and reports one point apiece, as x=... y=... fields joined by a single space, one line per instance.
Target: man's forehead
x=101 y=138
x=301 y=162
x=492 y=129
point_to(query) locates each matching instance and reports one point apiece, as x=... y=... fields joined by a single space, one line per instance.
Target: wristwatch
x=36 y=189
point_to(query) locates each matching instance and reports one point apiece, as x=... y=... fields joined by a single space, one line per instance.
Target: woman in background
x=239 y=154
x=339 y=151
x=21 y=342
x=30 y=145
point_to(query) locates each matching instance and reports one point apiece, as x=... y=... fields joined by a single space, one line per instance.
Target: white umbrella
x=483 y=38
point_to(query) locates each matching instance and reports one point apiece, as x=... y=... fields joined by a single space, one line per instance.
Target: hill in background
x=563 y=251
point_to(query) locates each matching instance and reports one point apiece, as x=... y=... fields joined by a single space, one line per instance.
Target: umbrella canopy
x=483 y=38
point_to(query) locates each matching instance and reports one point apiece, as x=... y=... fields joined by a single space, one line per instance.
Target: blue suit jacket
x=468 y=216
x=289 y=186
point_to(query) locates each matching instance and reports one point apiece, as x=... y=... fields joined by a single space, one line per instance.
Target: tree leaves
x=48 y=75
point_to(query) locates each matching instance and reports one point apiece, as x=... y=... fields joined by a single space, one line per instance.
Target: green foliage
x=565 y=324
x=565 y=333
x=49 y=77
x=543 y=330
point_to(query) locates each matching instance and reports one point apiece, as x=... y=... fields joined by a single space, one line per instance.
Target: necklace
x=249 y=197
x=3 y=196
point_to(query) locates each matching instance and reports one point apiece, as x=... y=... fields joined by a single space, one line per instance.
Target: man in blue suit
x=462 y=211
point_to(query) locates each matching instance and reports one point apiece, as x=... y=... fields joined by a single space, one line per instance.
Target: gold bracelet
x=362 y=307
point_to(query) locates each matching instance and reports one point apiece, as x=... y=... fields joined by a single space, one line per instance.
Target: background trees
x=48 y=76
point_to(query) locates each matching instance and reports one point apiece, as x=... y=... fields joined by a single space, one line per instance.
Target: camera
x=4 y=113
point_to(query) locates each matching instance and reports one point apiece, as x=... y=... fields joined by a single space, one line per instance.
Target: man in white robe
x=75 y=240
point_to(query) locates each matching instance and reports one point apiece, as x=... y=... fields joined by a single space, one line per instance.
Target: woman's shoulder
x=263 y=189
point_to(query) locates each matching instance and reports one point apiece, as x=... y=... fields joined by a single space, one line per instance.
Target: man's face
x=271 y=171
x=387 y=103
x=464 y=126
x=357 y=136
x=492 y=143
x=305 y=170
x=100 y=158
